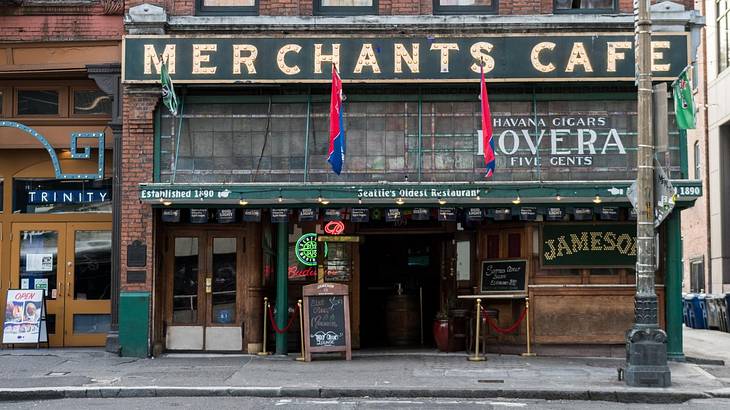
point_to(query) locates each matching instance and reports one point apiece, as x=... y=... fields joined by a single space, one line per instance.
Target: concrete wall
x=718 y=115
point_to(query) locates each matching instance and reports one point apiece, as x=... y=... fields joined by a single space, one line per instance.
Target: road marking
x=507 y=404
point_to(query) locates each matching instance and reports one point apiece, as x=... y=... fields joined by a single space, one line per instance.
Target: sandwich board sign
x=25 y=317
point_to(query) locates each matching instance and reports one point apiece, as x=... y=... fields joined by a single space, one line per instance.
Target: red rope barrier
x=288 y=325
x=506 y=330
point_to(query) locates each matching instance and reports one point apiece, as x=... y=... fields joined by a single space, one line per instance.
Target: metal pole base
x=476 y=359
x=528 y=355
x=646 y=357
x=300 y=359
x=263 y=353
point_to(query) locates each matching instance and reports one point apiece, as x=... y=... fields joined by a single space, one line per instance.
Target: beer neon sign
x=334 y=228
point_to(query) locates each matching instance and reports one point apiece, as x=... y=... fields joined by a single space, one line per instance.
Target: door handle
x=208 y=285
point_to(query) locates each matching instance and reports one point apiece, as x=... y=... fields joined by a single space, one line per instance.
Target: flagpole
x=177 y=138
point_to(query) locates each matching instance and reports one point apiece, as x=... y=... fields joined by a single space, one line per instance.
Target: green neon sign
x=306 y=249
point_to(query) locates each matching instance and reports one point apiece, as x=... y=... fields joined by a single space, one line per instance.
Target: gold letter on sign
x=535 y=57
x=333 y=58
x=401 y=55
x=281 y=59
x=479 y=52
x=238 y=59
x=614 y=55
x=658 y=55
x=367 y=58
x=579 y=57
x=199 y=57
x=444 y=48
x=151 y=57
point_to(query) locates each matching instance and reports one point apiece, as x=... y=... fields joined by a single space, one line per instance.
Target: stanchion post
x=478 y=318
x=527 y=314
x=301 y=330
x=263 y=351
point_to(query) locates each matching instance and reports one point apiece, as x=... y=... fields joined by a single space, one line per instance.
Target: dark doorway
x=399 y=289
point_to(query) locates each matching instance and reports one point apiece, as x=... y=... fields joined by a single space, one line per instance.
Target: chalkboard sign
x=326 y=319
x=504 y=276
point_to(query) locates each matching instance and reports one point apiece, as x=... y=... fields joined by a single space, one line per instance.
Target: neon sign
x=334 y=228
x=306 y=249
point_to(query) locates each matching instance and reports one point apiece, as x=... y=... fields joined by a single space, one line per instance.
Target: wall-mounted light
x=400 y=201
x=324 y=201
x=557 y=196
x=242 y=202
x=166 y=202
x=517 y=199
x=597 y=199
x=441 y=201
x=359 y=200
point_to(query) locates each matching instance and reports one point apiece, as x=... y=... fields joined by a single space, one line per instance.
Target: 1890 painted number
x=690 y=191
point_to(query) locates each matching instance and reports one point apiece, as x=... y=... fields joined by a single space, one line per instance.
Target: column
x=673 y=286
x=282 y=297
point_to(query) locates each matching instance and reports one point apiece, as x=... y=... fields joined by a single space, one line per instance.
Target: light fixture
x=517 y=199
x=166 y=202
x=597 y=199
x=557 y=196
x=281 y=198
x=442 y=201
x=319 y=198
x=242 y=202
x=324 y=201
x=478 y=198
x=400 y=200
x=359 y=200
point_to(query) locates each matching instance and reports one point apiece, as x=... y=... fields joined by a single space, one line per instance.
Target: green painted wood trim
x=134 y=323
x=419 y=158
x=683 y=154
x=282 y=282
x=673 y=289
x=157 y=146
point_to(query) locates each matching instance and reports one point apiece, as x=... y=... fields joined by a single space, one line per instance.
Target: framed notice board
x=504 y=276
x=326 y=319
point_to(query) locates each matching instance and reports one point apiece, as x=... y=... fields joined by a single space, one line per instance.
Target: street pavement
x=27 y=374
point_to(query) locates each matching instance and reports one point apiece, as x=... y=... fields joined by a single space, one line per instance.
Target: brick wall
x=385 y=7
x=137 y=167
x=58 y=23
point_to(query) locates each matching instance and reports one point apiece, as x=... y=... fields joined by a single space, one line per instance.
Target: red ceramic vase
x=441 y=334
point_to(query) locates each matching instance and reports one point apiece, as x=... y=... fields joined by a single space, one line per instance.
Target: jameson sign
x=582 y=245
x=594 y=57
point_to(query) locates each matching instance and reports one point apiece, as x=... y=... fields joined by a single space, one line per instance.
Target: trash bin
x=727 y=312
x=713 y=312
x=686 y=311
x=698 y=311
x=722 y=312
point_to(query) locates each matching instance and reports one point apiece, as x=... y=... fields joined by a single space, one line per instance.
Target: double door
x=72 y=263
x=204 y=278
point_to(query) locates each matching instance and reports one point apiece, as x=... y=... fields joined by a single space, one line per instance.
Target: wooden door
x=223 y=286
x=38 y=261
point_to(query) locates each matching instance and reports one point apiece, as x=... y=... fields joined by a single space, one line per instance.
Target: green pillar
x=673 y=289
x=282 y=260
x=134 y=314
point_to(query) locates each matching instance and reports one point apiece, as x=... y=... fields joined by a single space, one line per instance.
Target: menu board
x=504 y=276
x=326 y=319
x=24 y=317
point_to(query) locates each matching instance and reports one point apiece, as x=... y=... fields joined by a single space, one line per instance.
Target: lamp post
x=646 y=343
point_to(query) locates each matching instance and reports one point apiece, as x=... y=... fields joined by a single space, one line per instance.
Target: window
x=697 y=276
x=723 y=34
x=697 y=161
x=584 y=6
x=345 y=7
x=38 y=102
x=464 y=6
x=230 y=7
x=91 y=102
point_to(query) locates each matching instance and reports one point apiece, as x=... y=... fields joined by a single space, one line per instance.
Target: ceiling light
x=242 y=202
x=400 y=201
x=517 y=199
x=442 y=201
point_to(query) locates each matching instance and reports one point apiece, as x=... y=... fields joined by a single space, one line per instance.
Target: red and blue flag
x=336 y=153
x=488 y=141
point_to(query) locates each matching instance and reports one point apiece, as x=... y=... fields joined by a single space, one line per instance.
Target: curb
x=621 y=396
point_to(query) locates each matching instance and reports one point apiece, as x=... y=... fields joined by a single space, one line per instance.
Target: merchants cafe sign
x=442 y=58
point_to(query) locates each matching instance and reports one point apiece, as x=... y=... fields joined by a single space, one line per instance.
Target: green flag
x=684 y=106
x=168 y=91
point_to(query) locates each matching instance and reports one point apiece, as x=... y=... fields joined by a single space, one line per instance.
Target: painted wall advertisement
x=24 y=317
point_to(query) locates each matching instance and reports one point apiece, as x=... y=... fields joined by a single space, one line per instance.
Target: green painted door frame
x=282 y=297
x=675 y=350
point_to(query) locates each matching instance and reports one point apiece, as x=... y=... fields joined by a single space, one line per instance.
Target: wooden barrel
x=402 y=320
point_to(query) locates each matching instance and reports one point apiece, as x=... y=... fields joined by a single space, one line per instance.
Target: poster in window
x=39 y=262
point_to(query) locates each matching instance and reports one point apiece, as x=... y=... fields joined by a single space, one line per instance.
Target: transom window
x=345 y=7
x=584 y=6
x=230 y=7
x=723 y=34
x=465 y=6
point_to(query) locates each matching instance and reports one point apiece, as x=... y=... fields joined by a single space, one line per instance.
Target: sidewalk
x=707 y=344
x=59 y=373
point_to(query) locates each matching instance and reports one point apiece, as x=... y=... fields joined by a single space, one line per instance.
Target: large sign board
x=442 y=58
x=504 y=276
x=588 y=245
x=326 y=319
x=24 y=317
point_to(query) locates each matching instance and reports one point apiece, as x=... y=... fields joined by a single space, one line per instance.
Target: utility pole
x=646 y=343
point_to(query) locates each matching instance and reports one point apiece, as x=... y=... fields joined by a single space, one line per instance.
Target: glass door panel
x=223 y=296
x=38 y=259
x=88 y=284
x=185 y=280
